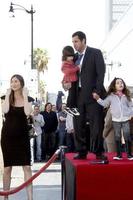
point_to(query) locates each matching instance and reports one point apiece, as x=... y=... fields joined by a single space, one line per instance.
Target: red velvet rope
x=12 y=191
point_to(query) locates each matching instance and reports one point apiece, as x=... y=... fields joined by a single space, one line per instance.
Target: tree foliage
x=40 y=59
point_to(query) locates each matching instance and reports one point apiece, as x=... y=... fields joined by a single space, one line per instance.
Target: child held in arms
x=70 y=77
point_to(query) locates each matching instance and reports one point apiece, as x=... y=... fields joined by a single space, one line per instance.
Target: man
x=49 y=131
x=91 y=78
x=38 y=124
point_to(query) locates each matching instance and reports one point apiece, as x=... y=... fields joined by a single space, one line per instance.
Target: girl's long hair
x=67 y=51
x=20 y=78
x=112 y=89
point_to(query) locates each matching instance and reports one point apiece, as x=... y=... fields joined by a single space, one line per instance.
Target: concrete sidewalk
x=45 y=187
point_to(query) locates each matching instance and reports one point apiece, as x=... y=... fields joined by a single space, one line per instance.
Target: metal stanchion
x=63 y=179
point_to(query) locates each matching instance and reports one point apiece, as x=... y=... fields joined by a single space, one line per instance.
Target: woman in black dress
x=15 y=141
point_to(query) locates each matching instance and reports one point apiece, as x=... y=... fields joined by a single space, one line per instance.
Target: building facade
x=117 y=45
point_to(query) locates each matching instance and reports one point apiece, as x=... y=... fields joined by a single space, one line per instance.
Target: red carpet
x=85 y=181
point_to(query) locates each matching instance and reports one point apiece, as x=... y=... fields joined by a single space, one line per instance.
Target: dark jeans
x=70 y=142
x=119 y=127
x=62 y=137
x=48 y=144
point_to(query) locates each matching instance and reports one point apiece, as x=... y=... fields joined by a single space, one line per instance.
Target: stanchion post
x=63 y=179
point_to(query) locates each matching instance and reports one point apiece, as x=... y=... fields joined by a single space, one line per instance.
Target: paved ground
x=45 y=187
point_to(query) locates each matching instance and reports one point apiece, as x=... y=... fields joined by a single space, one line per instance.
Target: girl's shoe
x=74 y=111
x=117 y=157
x=130 y=157
x=68 y=111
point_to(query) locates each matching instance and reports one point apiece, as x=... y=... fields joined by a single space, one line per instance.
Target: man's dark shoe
x=100 y=159
x=97 y=161
x=79 y=156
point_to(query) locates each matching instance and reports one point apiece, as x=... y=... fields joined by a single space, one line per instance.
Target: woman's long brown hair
x=20 y=78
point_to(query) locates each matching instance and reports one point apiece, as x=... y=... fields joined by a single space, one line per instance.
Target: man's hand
x=95 y=95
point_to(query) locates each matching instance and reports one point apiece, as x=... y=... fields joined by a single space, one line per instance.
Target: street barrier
x=60 y=151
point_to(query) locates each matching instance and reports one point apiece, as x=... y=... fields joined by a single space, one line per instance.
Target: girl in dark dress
x=15 y=141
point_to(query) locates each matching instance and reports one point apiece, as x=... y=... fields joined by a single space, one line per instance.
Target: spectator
x=62 y=125
x=59 y=101
x=108 y=133
x=70 y=133
x=38 y=124
x=49 y=128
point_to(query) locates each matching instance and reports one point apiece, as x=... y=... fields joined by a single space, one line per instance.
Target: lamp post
x=31 y=12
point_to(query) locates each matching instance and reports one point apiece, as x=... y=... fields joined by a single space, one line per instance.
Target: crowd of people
x=53 y=129
x=92 y=120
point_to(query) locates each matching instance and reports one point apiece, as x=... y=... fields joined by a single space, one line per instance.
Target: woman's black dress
x=15 y=141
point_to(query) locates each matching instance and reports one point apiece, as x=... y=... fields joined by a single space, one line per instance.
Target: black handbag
x=31 y=129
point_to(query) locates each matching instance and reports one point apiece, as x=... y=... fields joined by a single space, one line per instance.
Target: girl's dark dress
x=15 y=141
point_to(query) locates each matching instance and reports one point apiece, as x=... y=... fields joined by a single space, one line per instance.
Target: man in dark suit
x=91 y=78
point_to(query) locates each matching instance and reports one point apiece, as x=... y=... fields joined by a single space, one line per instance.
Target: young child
x=70 y=77
x=119 y=100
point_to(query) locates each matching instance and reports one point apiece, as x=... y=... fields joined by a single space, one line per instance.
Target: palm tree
x=40 y=62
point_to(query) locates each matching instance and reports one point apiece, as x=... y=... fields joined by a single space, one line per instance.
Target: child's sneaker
x=117 y=157
x=68 y=111
x=74 y=111
x=130 y=157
